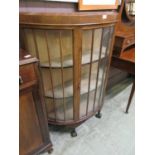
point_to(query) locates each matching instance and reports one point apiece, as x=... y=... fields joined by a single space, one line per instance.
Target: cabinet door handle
x=20 y=80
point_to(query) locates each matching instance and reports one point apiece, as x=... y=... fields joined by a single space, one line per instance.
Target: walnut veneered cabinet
x=33 y=129
x=74 y=50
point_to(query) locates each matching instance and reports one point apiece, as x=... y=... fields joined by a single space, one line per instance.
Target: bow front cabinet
x=74 y=50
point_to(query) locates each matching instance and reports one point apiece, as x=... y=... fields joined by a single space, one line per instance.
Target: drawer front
x=26 y=73
x=129 y=41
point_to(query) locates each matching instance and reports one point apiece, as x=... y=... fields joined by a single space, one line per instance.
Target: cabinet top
x=60 y=14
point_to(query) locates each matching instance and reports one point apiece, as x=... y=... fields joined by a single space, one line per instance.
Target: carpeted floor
x=113 y=134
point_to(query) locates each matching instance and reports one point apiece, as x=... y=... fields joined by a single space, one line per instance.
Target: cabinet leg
x=73 y=133
x=98 y=115
x=130 y=97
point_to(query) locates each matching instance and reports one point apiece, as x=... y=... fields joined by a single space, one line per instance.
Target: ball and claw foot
x=50 y=151
x=98 y=115
x=73 y=133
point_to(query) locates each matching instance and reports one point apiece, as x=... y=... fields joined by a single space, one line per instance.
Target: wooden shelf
x=69 y=109
x=58 y=91
x=60 y=112
x=68 y=60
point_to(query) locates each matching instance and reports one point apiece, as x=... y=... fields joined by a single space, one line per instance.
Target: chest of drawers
x=33 y=129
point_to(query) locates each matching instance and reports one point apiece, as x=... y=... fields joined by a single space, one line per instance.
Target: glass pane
x=83 y=104
x=55 y=41
x=108 y=37
x=84 y=89
x=94 y=83
x=95 y=44
x=86 y=46
x=57 y=82
x=91 y=49
x=100 y=83
x=29 y=41
x=106 y=44
x=55 y=109
x=54 y=50
x=50 y=106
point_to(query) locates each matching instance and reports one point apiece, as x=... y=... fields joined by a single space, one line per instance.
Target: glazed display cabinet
x=74 y=50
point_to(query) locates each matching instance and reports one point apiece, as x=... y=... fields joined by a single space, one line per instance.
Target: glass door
x=95 y=53
x=57 y=51
x=54 y=49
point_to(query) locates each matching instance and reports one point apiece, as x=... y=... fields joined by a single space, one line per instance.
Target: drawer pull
x=20 y=80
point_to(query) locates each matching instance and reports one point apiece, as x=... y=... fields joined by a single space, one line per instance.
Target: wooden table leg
x=130 y=97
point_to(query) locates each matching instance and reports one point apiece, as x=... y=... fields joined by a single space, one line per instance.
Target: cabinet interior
x=54 y=49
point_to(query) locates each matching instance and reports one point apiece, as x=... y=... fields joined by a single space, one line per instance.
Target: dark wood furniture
x=127 y=64
x=124 y=40
x=33 y=129
x=74 y=49
x=125 y=32
x=115 y=76
x=130 y=97
x=123 y=56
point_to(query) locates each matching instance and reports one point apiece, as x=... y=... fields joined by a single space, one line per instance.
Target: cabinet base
x=70 y=126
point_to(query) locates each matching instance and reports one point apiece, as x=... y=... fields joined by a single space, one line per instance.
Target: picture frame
x=98 y=4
